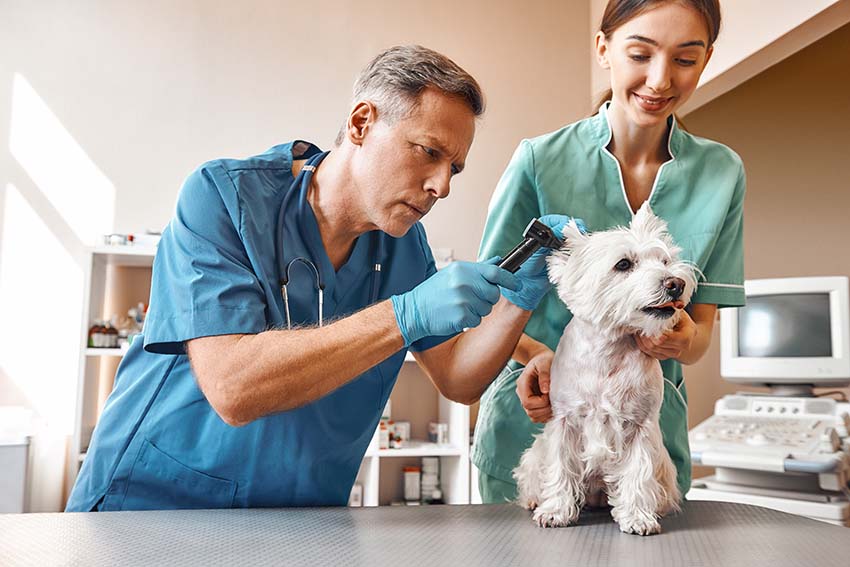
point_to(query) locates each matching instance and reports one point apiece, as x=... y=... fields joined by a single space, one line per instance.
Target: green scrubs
x=699 y=192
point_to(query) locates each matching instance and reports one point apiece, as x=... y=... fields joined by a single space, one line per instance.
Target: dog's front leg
x=634 y=488
x=669 y=496
x=561 y=493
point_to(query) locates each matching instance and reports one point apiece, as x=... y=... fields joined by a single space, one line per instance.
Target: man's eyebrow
x=695 y=42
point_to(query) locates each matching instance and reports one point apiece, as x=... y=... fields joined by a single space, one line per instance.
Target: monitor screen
x=785 y=325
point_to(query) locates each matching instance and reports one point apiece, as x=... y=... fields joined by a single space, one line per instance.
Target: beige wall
x=150 y=90
x=105 y=107
x=791 y=126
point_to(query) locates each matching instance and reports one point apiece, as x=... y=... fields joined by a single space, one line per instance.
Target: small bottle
x=111 y=336
x=391 y=431
x=383 y=436
x=91 y=343
x=411 y=484
x=98 y=334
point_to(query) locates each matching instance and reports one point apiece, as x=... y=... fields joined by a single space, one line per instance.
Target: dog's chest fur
x=604 y=378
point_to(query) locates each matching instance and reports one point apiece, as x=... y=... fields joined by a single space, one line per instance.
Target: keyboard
x=774 y=434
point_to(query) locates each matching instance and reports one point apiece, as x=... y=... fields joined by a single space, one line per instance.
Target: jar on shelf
x=412 y=484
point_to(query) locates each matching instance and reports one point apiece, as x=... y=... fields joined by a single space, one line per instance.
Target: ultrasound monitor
x=793 y=332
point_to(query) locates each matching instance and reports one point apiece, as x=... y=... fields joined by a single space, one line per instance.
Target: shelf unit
x=380 y=472
x=107 y=274
x=105 y=280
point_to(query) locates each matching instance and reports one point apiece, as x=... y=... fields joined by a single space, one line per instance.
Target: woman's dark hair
x=618 y=12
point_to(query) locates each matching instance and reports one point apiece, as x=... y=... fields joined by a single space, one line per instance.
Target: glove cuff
x=527 y=303
x=400 y=319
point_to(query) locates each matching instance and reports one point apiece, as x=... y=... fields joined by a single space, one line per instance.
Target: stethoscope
x=301 y=186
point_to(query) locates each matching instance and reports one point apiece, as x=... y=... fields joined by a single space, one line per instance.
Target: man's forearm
x=480 y=354
x=250 y=376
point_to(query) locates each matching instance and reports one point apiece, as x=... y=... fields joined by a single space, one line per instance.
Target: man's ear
x=362 y=116
x=602 y=51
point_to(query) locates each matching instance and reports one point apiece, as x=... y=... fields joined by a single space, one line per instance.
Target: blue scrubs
x=159 y=444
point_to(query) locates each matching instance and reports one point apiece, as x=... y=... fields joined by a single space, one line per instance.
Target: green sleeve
x=513 y=205
x=723 y=284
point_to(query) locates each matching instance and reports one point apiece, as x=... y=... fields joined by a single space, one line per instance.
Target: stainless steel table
x=705 y=533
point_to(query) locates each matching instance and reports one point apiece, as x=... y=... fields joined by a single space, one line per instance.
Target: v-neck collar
x=603 y=132
x=353 y=267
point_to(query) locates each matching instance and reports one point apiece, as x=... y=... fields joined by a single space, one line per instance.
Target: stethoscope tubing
x=305 y=176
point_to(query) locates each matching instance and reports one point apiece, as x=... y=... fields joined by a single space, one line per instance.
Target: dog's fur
x=605 y=393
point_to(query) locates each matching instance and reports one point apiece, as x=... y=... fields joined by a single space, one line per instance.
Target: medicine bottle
x=411 y=483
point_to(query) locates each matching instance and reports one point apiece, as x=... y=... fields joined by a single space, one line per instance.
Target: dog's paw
x=550 y=519
x=639 y=526
x=530 y=505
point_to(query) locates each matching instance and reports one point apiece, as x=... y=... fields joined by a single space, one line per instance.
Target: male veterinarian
x=286 y=292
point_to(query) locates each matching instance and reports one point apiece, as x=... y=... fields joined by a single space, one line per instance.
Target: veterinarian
x=286 y=292
x=603 y=169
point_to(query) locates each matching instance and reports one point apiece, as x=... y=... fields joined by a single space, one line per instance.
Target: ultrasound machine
x=788 y=449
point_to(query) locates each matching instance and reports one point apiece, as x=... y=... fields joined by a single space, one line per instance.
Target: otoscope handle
x=535 y=235
x=521 y=252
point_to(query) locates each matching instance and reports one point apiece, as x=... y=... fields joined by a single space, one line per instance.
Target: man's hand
x=451 y=300
x=532 y=387
x=671 y=344
x=532 y=273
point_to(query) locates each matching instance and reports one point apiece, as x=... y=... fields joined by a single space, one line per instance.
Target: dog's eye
x=623 y=265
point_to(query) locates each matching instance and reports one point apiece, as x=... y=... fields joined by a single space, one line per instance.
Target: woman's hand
x=532 y=387
x=672 y=344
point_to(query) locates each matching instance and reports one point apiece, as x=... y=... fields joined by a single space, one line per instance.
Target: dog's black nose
x=674 y=287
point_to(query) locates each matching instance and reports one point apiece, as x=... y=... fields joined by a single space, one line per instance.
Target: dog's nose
x=674 y=287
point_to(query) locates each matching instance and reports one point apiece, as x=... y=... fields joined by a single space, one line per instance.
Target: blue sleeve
x=203 y=283
x=430 y=269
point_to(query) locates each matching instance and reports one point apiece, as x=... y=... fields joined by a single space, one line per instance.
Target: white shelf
x=106 y=351
x=126 y=255
x=415 y=448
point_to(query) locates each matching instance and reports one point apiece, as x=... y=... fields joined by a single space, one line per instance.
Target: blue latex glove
x=532 y=273
x=454 y=298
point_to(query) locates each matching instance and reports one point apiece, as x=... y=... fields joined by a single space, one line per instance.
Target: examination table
x=704 y=533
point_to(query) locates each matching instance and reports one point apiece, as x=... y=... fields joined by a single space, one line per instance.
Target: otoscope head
x=542 y=234
x=536 y=234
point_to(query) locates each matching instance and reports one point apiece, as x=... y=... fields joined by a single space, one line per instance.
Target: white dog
x=605 y=393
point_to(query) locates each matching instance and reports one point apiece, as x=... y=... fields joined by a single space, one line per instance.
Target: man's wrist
x=398 y=306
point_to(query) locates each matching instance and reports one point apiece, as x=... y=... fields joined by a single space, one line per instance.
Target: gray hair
x=394 y=79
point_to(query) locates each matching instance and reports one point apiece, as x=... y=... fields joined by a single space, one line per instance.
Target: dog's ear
x=572 y=234
x=559 y=259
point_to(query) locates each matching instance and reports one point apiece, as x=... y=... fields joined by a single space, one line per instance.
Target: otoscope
x=535 y=235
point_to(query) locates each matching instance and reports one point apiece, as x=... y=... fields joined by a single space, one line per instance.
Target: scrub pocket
x=159 y=482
